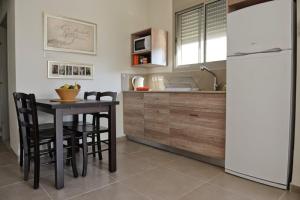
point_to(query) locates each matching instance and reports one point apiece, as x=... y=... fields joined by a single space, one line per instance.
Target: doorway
x=4 y=118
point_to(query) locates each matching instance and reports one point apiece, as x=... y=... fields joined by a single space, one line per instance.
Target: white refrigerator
x=259 y=116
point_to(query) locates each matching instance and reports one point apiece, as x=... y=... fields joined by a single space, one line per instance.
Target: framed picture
x=69 y=70
x=69 y=35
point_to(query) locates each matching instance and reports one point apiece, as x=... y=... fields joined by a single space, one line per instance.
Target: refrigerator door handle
x=273 y=50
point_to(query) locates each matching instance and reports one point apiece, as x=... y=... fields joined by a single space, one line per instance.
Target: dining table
x=60 y=109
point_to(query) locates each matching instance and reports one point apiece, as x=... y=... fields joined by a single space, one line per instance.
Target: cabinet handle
x=194 y=115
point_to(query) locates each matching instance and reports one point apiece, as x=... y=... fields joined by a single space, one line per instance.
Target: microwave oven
x=142 y=44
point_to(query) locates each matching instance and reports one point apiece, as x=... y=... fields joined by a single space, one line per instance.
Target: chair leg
x=49 y=149
x=85 y=154
x=93 y=145
x=99 y=147
x=74 y=166
x=21 y=155
x=69 y=152
x=36 y=166
x=26 y=153
x=26 y=168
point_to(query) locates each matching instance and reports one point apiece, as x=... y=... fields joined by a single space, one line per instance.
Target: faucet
x=216 y=85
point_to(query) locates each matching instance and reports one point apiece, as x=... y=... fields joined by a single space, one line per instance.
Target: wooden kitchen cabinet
x=197 y=123
x=190 y=122
x=156 y=117
x=133 y=108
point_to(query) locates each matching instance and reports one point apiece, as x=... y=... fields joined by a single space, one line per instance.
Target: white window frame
x=215 y=64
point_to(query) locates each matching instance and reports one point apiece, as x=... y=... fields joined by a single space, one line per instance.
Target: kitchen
x=222 y=121
x=207 y=91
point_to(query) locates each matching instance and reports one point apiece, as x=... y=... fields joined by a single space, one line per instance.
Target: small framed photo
x=69 y=70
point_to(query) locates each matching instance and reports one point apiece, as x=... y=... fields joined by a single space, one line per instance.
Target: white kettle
x=137 y=81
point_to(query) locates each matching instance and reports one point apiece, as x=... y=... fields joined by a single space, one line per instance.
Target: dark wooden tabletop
x=80 y=103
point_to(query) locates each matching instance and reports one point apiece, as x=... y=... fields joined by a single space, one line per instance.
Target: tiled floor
x=144 y=173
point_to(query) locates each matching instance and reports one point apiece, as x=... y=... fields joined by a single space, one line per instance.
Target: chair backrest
x=111 y=95
x=27 y=117
x=92 y=94
x=89 y=95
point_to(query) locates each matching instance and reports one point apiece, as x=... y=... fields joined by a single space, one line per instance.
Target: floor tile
x=247 y=188
x=10 y=174
x=156 y=156
x=115 y=191
x=76 y=186
x=22 y=191
x=127 y=165
x=162 y=183
x=195 y=168
x=7 y=158
x=291 y=196
x=210 y=192
x=131 y=147
x=3 y=148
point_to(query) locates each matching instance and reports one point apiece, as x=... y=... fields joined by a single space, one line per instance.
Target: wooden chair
x=92 y=130
x=33 y=135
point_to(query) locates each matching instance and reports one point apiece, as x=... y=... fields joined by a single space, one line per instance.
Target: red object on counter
x=145 y=88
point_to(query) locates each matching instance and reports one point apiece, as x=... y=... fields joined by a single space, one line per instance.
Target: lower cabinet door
x=133 y=108
x=156 y=115
x=157 y=125
x=198 y=130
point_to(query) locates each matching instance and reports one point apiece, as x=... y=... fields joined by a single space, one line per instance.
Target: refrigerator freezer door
x=261 y=27
x=258 y=116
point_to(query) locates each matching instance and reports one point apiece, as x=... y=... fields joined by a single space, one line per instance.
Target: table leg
x=59 y=164
x=112 y=138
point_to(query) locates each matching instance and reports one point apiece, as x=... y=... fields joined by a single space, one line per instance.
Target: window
x=201 y=34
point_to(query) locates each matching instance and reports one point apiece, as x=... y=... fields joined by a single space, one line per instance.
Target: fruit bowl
x=68 y=92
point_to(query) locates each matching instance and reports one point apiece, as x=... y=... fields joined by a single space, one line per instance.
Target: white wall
x=296 y=171
x=116 y=20
x=161 y=16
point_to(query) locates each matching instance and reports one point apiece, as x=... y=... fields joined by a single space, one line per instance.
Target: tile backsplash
x=188 y=79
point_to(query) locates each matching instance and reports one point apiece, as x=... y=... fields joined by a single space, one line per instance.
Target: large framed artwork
x=69 y=35
x=70 y=70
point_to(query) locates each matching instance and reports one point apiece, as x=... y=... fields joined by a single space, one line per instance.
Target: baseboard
x=181 y=152
x=121 y=138
x=295 y=188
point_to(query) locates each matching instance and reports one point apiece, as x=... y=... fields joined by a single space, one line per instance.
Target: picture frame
x=59 y=35
x=70 y=70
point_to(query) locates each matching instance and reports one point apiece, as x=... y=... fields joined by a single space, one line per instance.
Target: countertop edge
x=194 y=92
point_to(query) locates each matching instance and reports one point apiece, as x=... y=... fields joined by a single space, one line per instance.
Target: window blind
x=216 y=18
x=191 y=25
x=201 y=30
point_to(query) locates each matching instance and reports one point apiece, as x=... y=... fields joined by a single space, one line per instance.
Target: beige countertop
x=166 y=91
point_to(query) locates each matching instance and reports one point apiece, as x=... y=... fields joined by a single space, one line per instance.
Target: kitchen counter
x=167 y=91
x=190 y=123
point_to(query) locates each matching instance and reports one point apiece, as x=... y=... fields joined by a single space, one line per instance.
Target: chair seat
x=84 y=128
x=47 y=132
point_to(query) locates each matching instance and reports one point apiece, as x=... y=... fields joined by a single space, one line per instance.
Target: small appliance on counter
x=137 y=82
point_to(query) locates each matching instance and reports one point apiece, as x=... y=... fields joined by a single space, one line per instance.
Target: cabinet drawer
x=209 y=102
x=198 y=131
x=156 y=99
x=157 y=125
